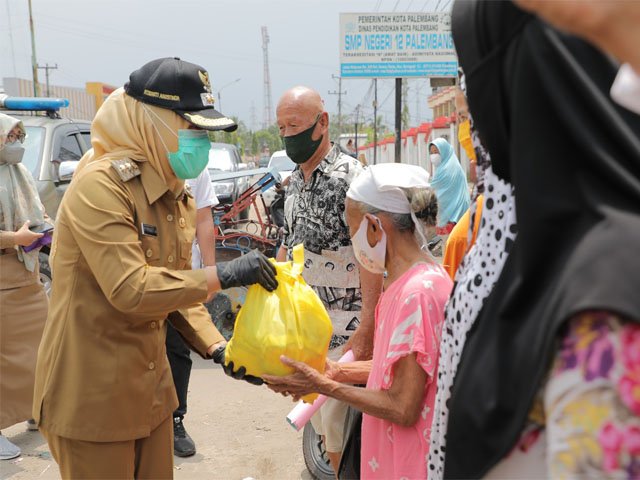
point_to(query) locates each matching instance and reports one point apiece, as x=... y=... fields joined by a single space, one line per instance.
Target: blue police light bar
x=33 y=103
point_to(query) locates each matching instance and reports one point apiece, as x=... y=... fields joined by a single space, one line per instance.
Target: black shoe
x=183 y=445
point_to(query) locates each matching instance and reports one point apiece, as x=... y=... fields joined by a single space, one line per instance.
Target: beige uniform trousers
x=23 y=312
x=144 y=458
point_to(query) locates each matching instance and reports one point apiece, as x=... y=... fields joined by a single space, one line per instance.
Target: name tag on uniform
x=149 y=230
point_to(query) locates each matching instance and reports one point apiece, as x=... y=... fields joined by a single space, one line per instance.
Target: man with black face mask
x=314 y=216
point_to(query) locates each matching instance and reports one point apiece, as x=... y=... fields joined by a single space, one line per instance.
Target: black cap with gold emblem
x=179 y=86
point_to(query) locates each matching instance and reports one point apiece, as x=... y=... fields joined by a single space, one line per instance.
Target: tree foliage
x=252 y=145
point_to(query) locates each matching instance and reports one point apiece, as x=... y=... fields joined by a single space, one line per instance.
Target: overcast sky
x=105 y=40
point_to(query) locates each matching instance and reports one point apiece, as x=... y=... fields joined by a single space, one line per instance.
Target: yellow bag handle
x=298 y=259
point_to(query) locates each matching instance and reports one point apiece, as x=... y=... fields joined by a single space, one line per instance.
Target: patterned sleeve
x=288 y=220
x=414 y=330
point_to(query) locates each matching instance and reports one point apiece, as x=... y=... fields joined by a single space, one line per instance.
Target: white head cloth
x=381 y=187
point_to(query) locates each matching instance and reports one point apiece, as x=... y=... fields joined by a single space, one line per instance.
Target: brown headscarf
x=127 y=128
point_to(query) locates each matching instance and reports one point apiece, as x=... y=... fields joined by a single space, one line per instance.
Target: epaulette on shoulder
x=127 y=169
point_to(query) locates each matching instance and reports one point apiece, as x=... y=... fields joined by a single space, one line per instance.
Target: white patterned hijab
x=19 y=200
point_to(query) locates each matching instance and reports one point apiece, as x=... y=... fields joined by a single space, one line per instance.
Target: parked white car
x=285 y=166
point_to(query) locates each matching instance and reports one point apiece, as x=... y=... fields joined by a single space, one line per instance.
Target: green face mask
x=192 y=155
x=301 y=147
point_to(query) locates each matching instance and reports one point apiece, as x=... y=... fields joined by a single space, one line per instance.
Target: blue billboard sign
x=396 y=45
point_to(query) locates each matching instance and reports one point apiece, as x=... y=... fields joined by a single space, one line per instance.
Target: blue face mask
x=192 y=155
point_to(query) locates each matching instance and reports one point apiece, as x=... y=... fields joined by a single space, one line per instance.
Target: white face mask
x=435 y=159
x=371 y=258
x=12 y=153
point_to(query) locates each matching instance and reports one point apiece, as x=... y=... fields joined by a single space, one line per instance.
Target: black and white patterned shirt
x=314 y=216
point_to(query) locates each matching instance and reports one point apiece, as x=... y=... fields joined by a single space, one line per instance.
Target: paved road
x=240 y=431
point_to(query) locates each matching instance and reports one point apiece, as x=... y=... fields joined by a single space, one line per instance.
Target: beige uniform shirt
x=13 y=274
x=120 y=260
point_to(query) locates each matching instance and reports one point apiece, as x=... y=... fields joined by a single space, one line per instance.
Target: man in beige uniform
x=121 y=254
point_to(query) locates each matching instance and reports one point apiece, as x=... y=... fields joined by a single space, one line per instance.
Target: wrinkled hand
x=25 y=237
x=361 y=343
x=304 y=381
x=332 y=370
x=240 y=374
x=246 y=270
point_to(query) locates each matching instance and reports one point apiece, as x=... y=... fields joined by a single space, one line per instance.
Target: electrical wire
x=134 y=41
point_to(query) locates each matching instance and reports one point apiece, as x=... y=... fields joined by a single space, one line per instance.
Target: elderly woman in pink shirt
x=382 y=207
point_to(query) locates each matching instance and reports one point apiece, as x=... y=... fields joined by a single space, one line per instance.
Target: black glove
x=240 y=374
x=248 y=269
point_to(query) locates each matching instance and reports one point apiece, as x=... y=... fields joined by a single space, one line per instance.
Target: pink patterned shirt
x=409 y=319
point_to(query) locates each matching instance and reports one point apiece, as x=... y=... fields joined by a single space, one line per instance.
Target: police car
x=53 y=147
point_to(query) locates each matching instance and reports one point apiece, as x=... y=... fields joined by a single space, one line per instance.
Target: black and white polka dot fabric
x=474 y=281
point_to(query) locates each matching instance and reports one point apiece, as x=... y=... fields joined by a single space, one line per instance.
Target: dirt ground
x=239 y=429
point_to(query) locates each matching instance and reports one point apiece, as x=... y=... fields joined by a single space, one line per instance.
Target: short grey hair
x=401 y=221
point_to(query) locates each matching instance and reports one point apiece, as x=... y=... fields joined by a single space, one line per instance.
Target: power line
x=156 y=44
x=387 y=98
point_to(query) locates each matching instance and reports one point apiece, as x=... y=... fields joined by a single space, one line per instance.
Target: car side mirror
x=66 y=170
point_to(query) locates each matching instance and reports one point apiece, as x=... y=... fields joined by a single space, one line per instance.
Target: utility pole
x=339 y=93
x=406 y=117
x=418 y=102
x=34 y=62
x=13 y=53
x=398 y=149
x=253 y=116
x=46 y=69
x=357 y=119
x=267 y=119
x=375 y=120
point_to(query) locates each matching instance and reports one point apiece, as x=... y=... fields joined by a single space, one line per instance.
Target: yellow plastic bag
x=289 y=321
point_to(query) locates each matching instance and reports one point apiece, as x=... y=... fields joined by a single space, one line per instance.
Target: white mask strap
x=420 y=231
x=147 y=111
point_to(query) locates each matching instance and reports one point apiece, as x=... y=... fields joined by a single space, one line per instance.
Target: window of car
x=70 y=150
x=220 y=159
x=33 y=145
x=86 y=137
x=281 y=163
